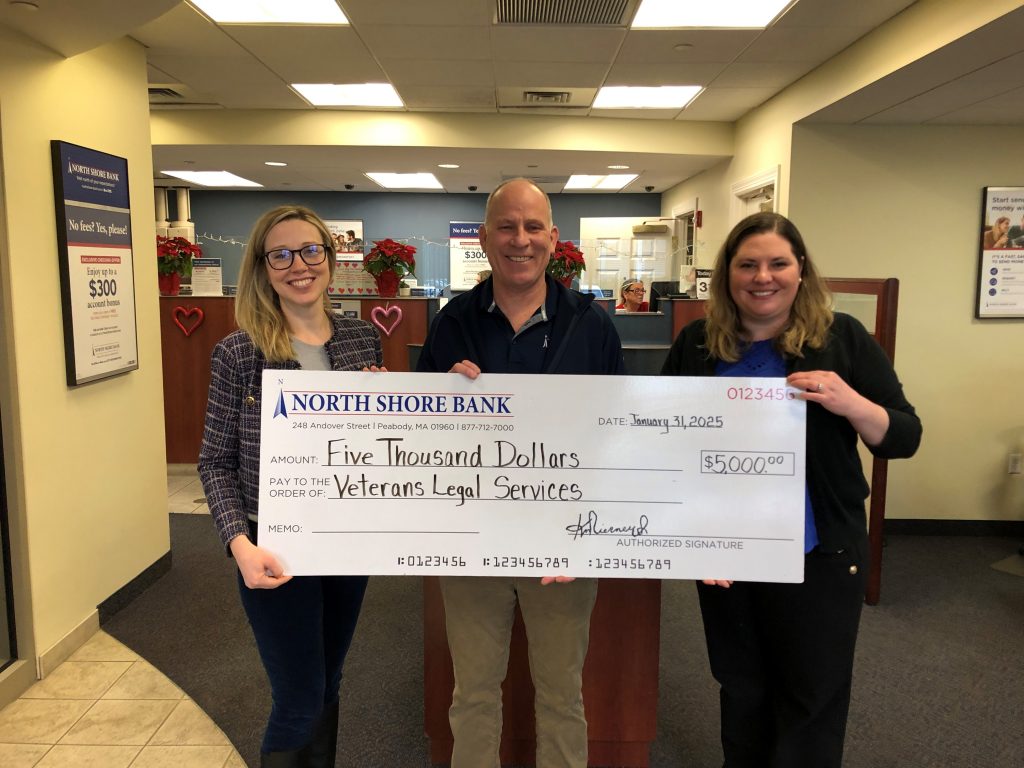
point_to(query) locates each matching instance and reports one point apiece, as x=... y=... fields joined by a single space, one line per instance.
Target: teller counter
x=190 y=327
x=647 y=336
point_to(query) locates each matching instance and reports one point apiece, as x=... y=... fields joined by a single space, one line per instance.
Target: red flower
x=388 y=255
x=566 y=261
x=175 y=254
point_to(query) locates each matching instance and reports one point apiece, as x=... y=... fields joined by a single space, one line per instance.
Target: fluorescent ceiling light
x=405 y=180
x=618 y=167
x=611 y=181
x=275 y=163
x=349 y=94
x=640 y=97
x=721 y=14
x=447 y=165
x=212 y=178
x=272 y=11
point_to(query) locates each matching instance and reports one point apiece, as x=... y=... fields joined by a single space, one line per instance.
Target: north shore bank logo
x=281 y=409
x=293 y=402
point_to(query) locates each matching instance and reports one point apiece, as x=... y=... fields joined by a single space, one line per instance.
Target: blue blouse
x=762 y=360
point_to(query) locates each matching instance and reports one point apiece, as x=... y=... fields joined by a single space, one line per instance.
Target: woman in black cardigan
x=783 y=653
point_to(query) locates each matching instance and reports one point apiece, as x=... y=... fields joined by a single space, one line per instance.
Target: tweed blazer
x=229 y=460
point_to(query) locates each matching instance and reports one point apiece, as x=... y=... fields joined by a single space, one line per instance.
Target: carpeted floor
x=939 y=678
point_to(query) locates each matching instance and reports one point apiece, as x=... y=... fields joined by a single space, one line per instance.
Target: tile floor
x=106 y=707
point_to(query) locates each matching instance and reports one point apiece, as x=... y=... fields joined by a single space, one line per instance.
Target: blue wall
x=223 y=219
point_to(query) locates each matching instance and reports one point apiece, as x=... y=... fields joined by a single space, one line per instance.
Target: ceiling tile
x=404 y=73
x=658 y=45
x=649 y=74
x=1005 y=109
x=433 y=13
x=183 y=30
x=555 y=44
x=801 y=43
x=637 y=114
x=766 y=75
x=226 y=82
x=402 y=41
x=992 y=82
x=438 y=97
x=329 y=54
x=842 y=13
x=725 y=104
x=534 y=74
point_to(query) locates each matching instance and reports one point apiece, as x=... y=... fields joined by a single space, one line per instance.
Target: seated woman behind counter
x=632 y=293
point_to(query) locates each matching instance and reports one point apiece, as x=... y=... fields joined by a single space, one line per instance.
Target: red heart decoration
x=378 y=316
x=180 y=313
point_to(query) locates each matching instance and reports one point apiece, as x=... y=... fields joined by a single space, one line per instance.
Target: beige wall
x=905 y=202
x=902 y=202
x=85 y=467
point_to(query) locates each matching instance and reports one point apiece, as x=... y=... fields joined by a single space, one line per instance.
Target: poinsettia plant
x=174 y=255
x=567 y=261
x=390 y=255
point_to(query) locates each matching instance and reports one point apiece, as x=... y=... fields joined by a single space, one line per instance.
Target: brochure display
x=94 y=243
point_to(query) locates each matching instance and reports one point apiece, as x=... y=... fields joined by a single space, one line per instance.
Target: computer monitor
x=661 y=289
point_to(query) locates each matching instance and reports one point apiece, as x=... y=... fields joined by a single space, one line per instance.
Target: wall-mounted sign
x=1001 y=261
x=347 y=235
x=703 y=283
x=466 y=257
x=97 y=281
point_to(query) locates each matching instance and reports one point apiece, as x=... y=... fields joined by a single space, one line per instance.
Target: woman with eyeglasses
x=303 y=626
x=632 y=293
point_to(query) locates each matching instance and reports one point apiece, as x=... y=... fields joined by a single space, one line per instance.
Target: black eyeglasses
x=637 y=290
x=283 y=258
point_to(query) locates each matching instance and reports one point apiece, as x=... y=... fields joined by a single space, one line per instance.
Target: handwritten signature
x=591 y=527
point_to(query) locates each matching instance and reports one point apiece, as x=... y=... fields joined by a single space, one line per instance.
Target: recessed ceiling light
x=275 y=163
x=447 y=165
x=212 y=178
x=618 y=167
x=405 y=180
x=349 y=94
x=722 y=14
x=609 y=182
x=680 y=47
x=273 y=11
x=636 y=97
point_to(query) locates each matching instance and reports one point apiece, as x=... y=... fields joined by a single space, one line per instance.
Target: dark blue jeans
x=303 y=630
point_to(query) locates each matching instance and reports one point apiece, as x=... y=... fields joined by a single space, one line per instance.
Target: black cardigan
x=835 y=479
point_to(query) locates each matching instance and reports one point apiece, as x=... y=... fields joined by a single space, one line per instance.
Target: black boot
x=293 y=758
x=323 y=747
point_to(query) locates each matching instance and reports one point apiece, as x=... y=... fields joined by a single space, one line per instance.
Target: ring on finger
x=820 y=388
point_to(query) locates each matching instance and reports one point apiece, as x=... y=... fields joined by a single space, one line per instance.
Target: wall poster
x=97 y=280
x=1001 y=261
x=347 y=236
x=466 y=258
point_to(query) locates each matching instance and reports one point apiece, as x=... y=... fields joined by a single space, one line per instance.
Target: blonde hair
x=810 y=317
x=257 y=305
x=626 y=285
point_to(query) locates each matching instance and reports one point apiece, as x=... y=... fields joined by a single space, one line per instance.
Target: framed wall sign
x=347 y=236
x=97 y=279
x=466 y=258
x=1000 y=290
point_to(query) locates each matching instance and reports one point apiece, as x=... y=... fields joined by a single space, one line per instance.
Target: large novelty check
x=628 y=476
